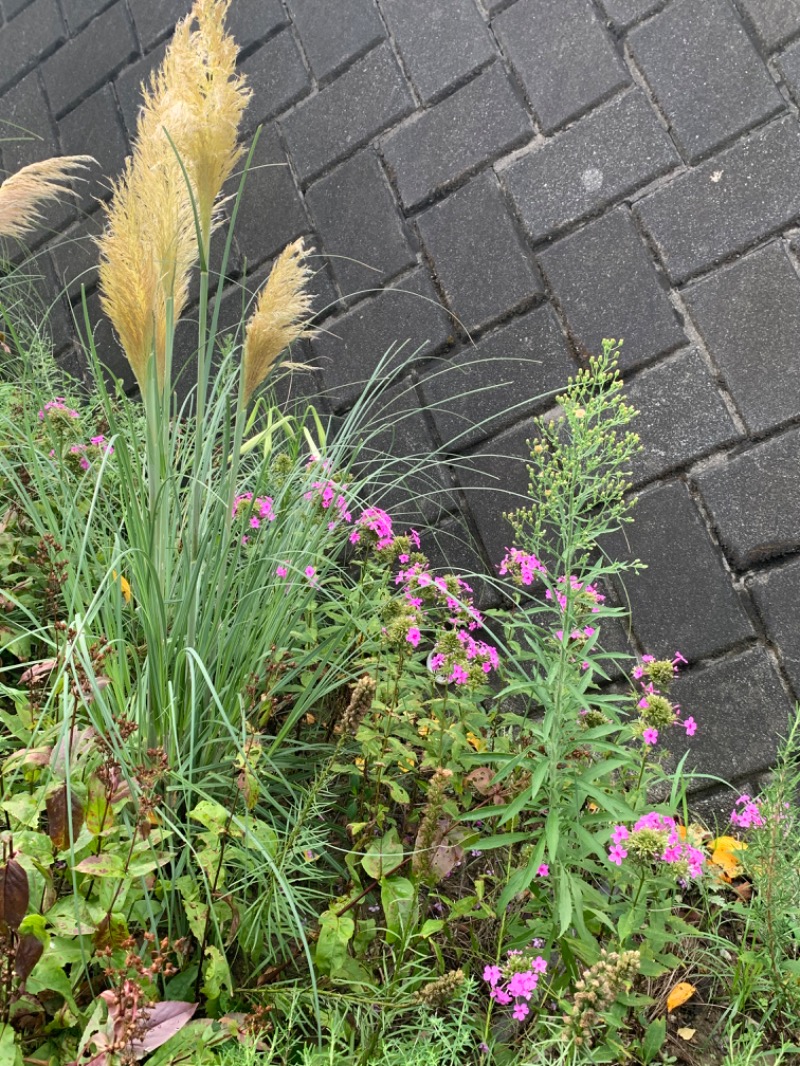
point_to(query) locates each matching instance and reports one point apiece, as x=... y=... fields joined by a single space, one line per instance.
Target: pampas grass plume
x=280 y=317
x=24 y=194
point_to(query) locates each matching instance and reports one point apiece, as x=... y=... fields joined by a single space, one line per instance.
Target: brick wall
x=505 y=182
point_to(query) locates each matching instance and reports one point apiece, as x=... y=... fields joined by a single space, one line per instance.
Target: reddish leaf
x=163 y=1021
x=29 y=951
x=39 y=670
x=14 y=894
x=63 y=810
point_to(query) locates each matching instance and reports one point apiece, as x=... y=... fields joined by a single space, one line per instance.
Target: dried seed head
x=24 y=194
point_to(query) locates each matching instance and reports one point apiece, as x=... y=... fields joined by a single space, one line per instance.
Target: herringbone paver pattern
x=500 y=184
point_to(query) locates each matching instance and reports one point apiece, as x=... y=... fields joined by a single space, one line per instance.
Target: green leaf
x=398 y=793
x=99 y=813
x=216 y=975
x=500 y=840
x=107 y=864
x=653 y=1040
x=10 y=1053
x=398 y=899
x=212 y=815
x=430 y=927
x=48 y=976
x=24 y=808
x=334 y=936
x=383 y=856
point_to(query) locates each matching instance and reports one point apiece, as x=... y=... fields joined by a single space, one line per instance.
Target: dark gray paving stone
x=353 y=345
x=777 y=594
x=789 y=67
x=439 y=44
x=26 y=127
x=608 y=154
x=75 y=255
x=684 y=599
x=11 y=8
x=740 y=708
x=334 y=34
x=748 y=314
x=625 y=12
x=482 y=266
x=271 y=212
x=562 y=55
x=735 y=199
x=55 y=316
x=90 y=59
x=442 y=145
x=250 y=21
x=156 y=20
x=277 y=76
x=79 y=12
x=607 y=286
x=494 y=480
x=130 y=82
x=705 y=74
x=357 y=220
x=361 y=103
x=404 y=480
x=34 y=33
x=95 y=128
x=681 y=415
x=510 y=373
x=754 y=502
x=775 y=21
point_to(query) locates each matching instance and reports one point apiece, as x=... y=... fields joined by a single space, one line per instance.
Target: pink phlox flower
x=690 y=726
x=354 y=537
x=492 y=975
x=543 y=871
x=281 y=571
x=57 y=404
x=311 y=573
x=589 y=631
x=538 y=965
x=638 y=672
x=650 y=736
x=620 y=833
x=643 y=704
x=459 y=675
x=750 y=815
x=403 y=558
x=500 y=996
x=617 y=854
x=413 y=636
x=437 y=662
x=678 y=658
x=523 y=984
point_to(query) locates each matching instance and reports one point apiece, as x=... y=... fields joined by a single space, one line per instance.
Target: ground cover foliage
x=272 y=788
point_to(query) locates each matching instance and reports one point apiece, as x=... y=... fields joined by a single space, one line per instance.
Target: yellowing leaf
x=478 y=743
x=724 y=857
x=679 y=995
x=686 y=1034
x=124 y=584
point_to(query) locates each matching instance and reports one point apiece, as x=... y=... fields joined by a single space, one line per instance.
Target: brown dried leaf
x=64 y=817
x=29 y=951
x=14 y=894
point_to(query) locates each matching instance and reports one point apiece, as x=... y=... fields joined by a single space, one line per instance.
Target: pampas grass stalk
x=24 y=194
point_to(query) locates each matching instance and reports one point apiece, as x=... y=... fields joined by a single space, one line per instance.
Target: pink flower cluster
x=379 y=523
x=82 y=452
x=590 y=592
x=674 y=850
x=511 y=984
x=749 y=816
x=521 y=567
x=59 y=406
x=259 y=508
x=332 y=499
x=650 y=734
x=476 y=652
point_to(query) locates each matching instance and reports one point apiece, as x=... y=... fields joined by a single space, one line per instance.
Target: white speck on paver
x=592 y=179
x=716 y=176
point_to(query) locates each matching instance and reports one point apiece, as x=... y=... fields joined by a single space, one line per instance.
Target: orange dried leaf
x=679 y=995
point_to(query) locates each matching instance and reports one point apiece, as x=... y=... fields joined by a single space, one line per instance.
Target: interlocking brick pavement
x=496 y=185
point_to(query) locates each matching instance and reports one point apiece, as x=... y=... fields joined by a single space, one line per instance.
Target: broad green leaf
x=10 y=1053
x=431 y=927
x=398 y=899
x=24 y=808
x=383 y=856
x=106 y=864
x=500 y=840
x=653 y=1040
x=48 y=976
x=334 y=936
x=212 y=815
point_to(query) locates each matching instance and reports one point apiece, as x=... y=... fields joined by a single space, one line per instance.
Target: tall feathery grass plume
x=24 y=194
x=280 y=317
x=189 y=119
x=199 y=98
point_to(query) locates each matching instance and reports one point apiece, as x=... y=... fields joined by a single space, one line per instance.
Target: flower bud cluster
x=596 y=992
